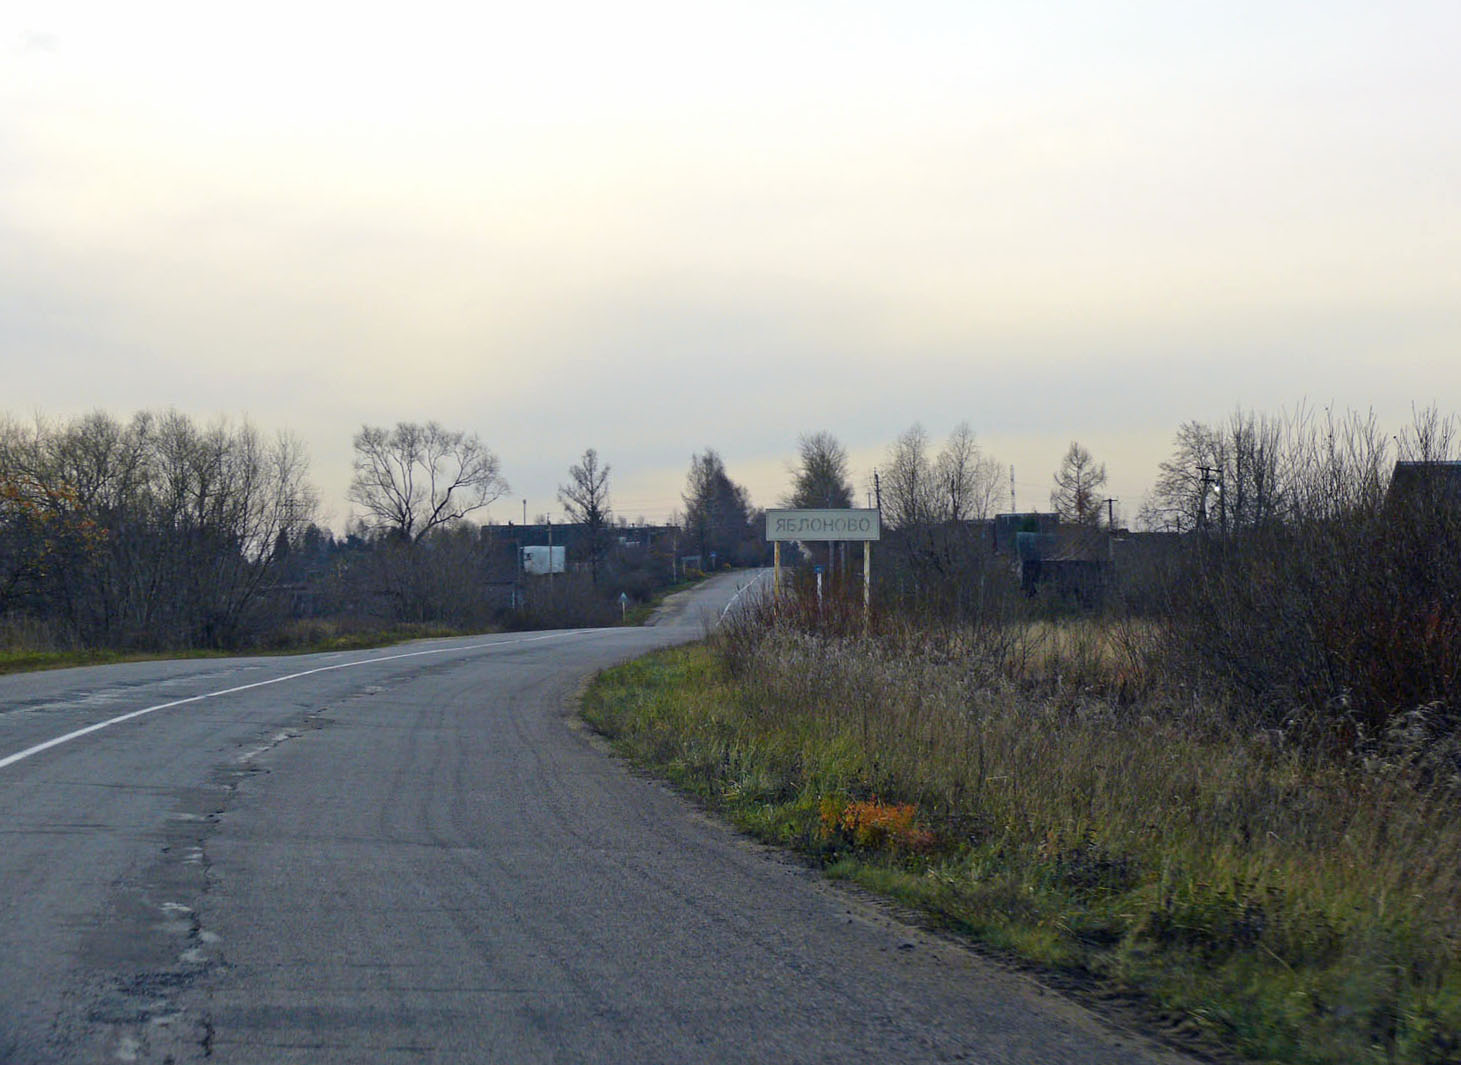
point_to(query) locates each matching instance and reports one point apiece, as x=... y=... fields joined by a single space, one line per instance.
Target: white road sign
x=823 y=525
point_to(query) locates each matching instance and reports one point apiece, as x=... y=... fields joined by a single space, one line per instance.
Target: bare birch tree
x=966 y=480
x=908 y=481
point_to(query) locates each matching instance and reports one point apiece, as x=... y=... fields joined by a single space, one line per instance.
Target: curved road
x=413 y=855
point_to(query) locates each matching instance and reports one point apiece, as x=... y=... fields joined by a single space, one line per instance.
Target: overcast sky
x=655 y=227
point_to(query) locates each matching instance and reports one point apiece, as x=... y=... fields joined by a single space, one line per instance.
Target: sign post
x=867 y=578
x=831 y=526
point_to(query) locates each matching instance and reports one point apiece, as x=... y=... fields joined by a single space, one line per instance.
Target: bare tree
x=586 y=499
x=412 y=478
x=220 y=498
x=1225 y=476
x=1076 y=495
x=1336 y=617
x=1333 y=465
x=1251 y=488
x=966 y=481
x=819 y=479
x=909 y=493
x=1179 y=500
x=156 y=533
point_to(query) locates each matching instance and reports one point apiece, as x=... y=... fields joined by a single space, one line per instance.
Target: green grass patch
x=1293 y=910
x=314 y=639
x=27 y=661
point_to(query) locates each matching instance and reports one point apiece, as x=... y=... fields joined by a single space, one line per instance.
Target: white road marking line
x=754 y=581
x=20 y=756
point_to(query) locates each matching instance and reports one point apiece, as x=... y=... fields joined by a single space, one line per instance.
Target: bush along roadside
x=1293 y=909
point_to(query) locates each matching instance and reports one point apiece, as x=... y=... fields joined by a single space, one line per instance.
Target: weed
x=874 y=825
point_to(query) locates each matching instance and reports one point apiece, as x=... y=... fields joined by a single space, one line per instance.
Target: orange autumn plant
x=875 y=825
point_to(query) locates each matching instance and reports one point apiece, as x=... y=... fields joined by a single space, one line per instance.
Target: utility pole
x=1111 y=514
x=518 y=600
x=1013 y=508
x=1207 y=479
x=878 y=491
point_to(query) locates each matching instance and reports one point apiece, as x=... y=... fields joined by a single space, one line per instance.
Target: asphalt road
x=414 y=854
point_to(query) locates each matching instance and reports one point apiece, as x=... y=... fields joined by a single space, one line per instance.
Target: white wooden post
x=867 y=580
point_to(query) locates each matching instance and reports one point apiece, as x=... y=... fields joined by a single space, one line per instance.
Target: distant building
x=571 y=542
x=1425 y=484
x=1006 y=528
x=1074 y=560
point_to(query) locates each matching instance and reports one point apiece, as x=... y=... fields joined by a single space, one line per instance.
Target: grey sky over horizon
x=668 y=226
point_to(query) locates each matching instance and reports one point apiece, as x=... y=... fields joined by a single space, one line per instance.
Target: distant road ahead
x=412 y=855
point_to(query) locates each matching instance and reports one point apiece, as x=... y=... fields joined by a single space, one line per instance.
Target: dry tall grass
x=1300 y=907
x=1338 y=884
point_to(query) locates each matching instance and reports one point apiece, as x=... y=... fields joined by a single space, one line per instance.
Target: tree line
x=152 y=532
x=159 y=532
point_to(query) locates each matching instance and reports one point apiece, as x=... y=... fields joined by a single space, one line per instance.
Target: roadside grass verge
x=297 y=639
x=25 y=649
x=1292 y=908
x=24 y=660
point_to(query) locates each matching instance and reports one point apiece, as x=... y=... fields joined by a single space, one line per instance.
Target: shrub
x=874 y=825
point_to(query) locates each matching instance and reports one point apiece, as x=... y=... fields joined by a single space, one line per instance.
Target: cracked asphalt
x=408 y=859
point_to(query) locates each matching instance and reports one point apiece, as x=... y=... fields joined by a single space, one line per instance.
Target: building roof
x=1426 y=482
